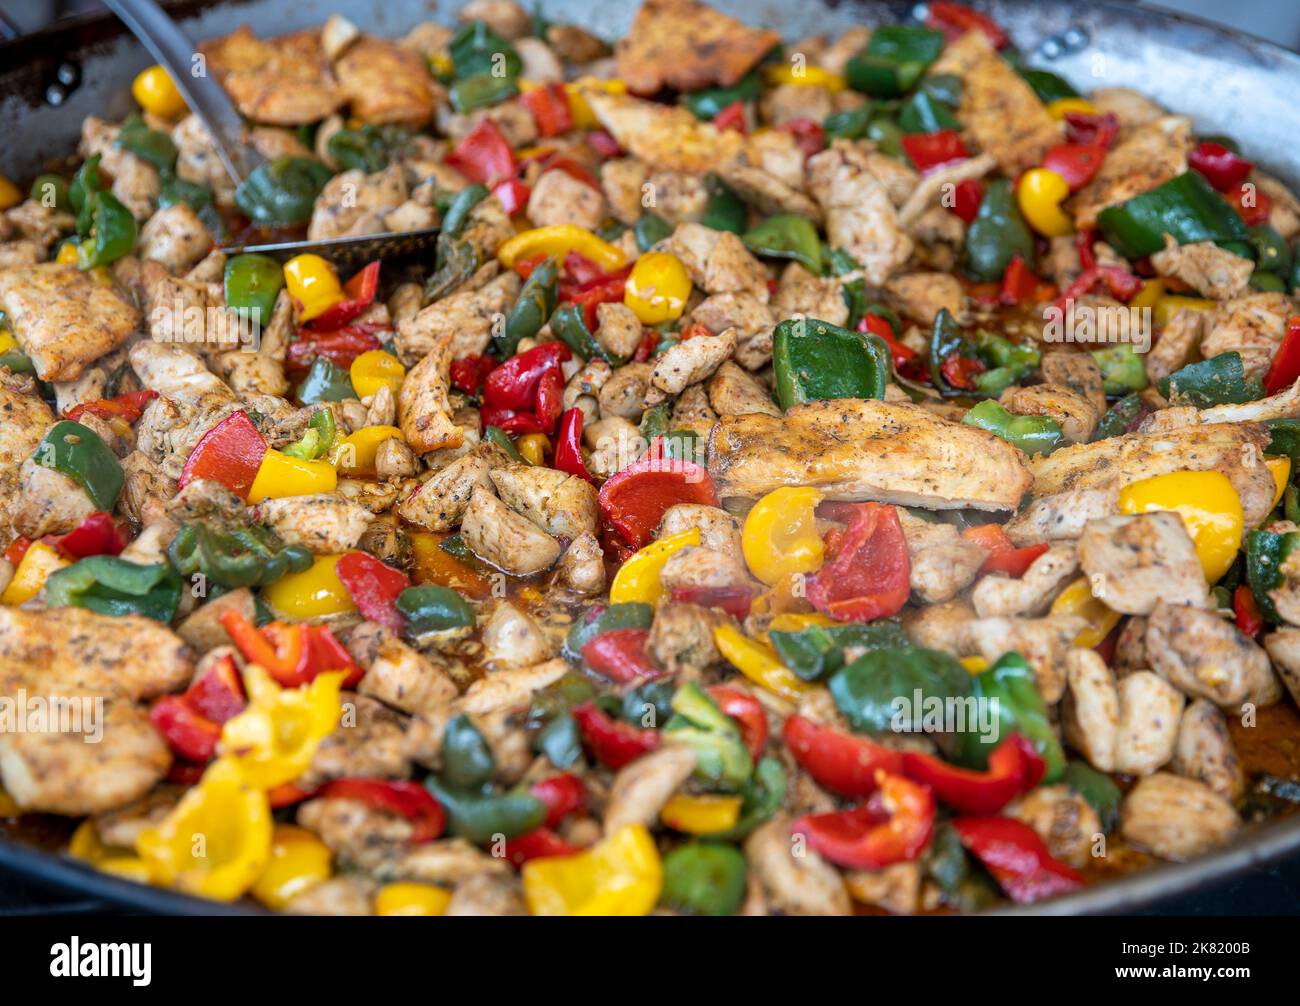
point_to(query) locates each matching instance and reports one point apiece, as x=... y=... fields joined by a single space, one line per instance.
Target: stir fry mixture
x=843 y=475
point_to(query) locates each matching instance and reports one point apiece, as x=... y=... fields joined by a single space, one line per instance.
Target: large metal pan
x=1228 y=82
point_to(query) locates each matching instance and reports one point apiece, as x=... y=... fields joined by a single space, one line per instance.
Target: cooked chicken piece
x=615 y=443
x=582 y=566
x=703 y=567
x=622 y=179
x=751 y=317
x=367 y=744
x=466 y=317
x=922 y=295
x=439 y=502
x=765 y=191
x=897 y=888
x=447 y=862
x=1150 y=156
x=932 y=195
x=619 y=331
x=559 y=198
x=1150 y=712
x=1284 y=215
x=49 y=502
x=859 y=215
x=1043 y=642
x=1283 y=646
x=564 y=506
x=1063 y=819
x=509 y=689
x=938 y=626
x=687 y=45
x=354 y=203
x=1208 y=269
x=396 y=674
x=1176 y=818
x=64 y=319
x=862 y=449
x=423 y=405
x=733 y=392
x=336 y=34
x=262 y=372
x=1208 y=657
x=146 y=491
x=718 y=261
x=681 y=639
x=691 y=411
x=1176 y=345
x=176 y=237
x=642 y=787
x=136 y=183
x=1205 y=752
x=1131 y=108
x=197 y=160
x=1060 y=516
x=942 y=562
x=63 y=772
x=507 y=540
x=122 y=826
x=625 y=393
x=24 y=418
x=1117 y=461
x=343 y=896
x=1077 y=415
x=19 y=253
x=800 y=292
x=719 y=530
x=1135 y=560
x=794 y=885
x=1284 y=405
x=283 y=82
x=669 y=137
x=384 y=82
x=691 y=361
x=202 y=628
x=1090 y=712
x=325 y=523
x=360 y=836
x=1032 y=593
x=512 y=638
x=540 y=64
x=575 y=44
x=485 y=895
x=1253 y=326
x=508 y=19
x=40 y=225
x=789 y=102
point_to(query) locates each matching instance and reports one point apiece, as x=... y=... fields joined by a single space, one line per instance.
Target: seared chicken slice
x=642 y=787
x=1063 y=819
x=507 y=540
x=1253 y=326
x=687 y=45
x=1208 y=269
x=423 y=405
x=942 y=562
x=663 y=135
x=384 y=82
x=438 y=503
x=1031 y=593
x=1043 y=642
x=1090 y=713
x=859 y=215
x=49 y=502
x=367 y=744
x=512 y=638
x=1148 y=157
x=511 y=688
x=691 y=361
x=465 y=318
x=1176 y=818
x=282 y=82
x=794 y=885
x=563 y=505
x=397 y=674
x=582 y=566
x=176 y=237
x=1208 y=657
x=1133 y=561
x=1150 y=712
x=325 y=523
x=1205 y=751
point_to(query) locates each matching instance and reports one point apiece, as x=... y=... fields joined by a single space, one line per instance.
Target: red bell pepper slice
x=576 y=171
x=292 y=654
x=517 y=424
x=1018 y=283
x=129 y=407
x=966 y=198
x=906 y=360
x=287 y=794
x=865 y=576
x=219 y=692
x=1083 y=242
x=513 y=385
x=189 y=734
x=230 y=453
x=928 y=151
x=409 y=799
x=1221 y=167
x=326 y=653
x=604 y=144
x=1251 y=202
x=610 y=741
x=340 y=347
x=960 y=371
x=1286 y=364
x=549 y=105
x=538 y=844
x=635 y=499
x=549 y=402
x=1090 y=129
x=893 y=826
x=513 y=195
x=1246 y=611
x=1077 y=163
x=748 y=713
x=843 y=763
x=563 y=794
x=732 y=117
x=734 y=600
x=568 y=446
x=620 y=655
x=1014 y=768
x=646 y=347
x=469 y=372
x=17 y=549
x=1018 y=859
x=374 y=587
x=98 y=534
x=1004 y=557
x=808 y=135
x=484 y=155
x=955 y=20
x=359 y=293
x=185 y=773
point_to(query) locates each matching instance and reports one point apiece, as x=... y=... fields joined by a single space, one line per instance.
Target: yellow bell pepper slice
x=797 y=621
x=87 y=846
x=638 y=578
x=10 y=194
x=156 y=92
x=759 y=663
x=1150 y=294
x=274 y=739
x=282 y=475
x=217 y=840
x=355 y=454
x=67 y=253
x=410 y=898
x=1061 y=107
x=657 y=288
x=38 y=562
x=620 y=875
x=1077 y=599
x=315 y=592
x=299 y=860
x=1209 y=506
x=373 y=369
x=312 y=282
x=7 y=341
x=702 y=814
x=806 y=76
x=1039 y=196
x=558 y=240
x=8 y=805
x=974 y=665
x=1280 y=469
x=533 y=446
x=780 y=536
x=1170 y=304
x=580 y=108
x=441 y=65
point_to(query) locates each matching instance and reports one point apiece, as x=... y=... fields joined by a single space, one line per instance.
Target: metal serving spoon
x=207 y=99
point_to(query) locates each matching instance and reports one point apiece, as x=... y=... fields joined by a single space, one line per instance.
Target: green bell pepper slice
x=817 y=651
x=235 y=557
x=151 y=145
x=481 y=91
x=51 y=191
x=85 y=183
x=1267 y=282
x=708 y=103
x=535 y=305
x=815 y=360
x=595 y=620
x=1219 y=380
x=1032 y=434
x=1186 y=207
x=1048 y=86
x=77 y=451
x=724 y=211
x=1008 y=361
x=763 y=793
x=282 y=191
x=1012 y=682
x=850 y=124
x=502 y=439
x=1266 y=551
x=326 y=381
x=467 y=760
x=649 y=230
x=886 y=134
x=789 y=236
x=482 y=817
x=458 y=260
x=1098 y=789
x=477 y=49
x=997 y=234
x=112 y=232
x=431 y=607
x=1121 y=417
x=455 y=219
x=931 y=108
x=1272 y=253
x=112 y=586
x=704 y=878
x=369 y=147
x=560 y=741
x=721 y=755
x=655 y=420
x=1122 y=369
x=893 y=60
x=570 y=327
x=317 y=440
x=252 y=284
x=867 y=690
